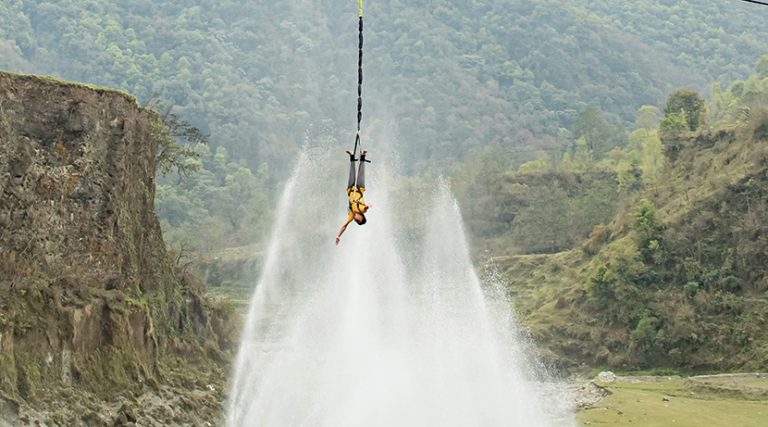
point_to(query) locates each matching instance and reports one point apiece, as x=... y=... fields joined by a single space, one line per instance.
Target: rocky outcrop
x=88 y=297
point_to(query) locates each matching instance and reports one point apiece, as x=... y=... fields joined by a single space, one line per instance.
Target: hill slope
x=678 y=279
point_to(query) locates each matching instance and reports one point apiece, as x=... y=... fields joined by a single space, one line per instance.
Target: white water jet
x=358 y=335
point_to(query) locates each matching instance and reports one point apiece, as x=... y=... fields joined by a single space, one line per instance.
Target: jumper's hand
x=338 y=239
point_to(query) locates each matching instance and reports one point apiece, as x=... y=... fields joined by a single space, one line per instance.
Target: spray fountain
x=371 y=333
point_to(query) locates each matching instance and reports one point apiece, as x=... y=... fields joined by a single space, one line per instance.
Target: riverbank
x=187 y=396
x=722 y=400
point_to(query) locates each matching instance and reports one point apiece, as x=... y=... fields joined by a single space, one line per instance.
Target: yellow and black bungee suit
x=356 y=188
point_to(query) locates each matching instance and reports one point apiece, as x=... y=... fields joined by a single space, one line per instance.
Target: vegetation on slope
x=678 y=277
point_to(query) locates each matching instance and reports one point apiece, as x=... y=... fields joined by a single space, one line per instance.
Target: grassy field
x=711 y=401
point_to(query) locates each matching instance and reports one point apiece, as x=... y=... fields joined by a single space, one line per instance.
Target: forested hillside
x=678 y=277
x=449 y=74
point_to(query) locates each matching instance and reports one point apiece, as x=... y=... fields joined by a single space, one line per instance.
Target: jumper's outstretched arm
x=343 y=228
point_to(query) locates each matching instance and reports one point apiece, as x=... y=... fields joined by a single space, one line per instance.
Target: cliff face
x=88 y=297
x=79 y=167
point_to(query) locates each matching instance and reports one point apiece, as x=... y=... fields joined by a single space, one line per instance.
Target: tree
x=629 y=176
x=580 y=159
x=670 y=128
x=722 y=105
x=167 y=129
x=645 y=150
x=689 y=102
x=650 y=233
x=592 y=126
x=647 y=117
x=652 y=158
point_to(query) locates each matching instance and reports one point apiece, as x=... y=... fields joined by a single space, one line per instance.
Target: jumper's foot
x=351 y=156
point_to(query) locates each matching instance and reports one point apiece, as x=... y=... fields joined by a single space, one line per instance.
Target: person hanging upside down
x=355 y=190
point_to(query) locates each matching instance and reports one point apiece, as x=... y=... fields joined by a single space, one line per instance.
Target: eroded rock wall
x=78 y=168
x=88 y=296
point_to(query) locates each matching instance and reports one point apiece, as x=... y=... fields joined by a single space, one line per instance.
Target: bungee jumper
x=355 y=192
x=356 y=183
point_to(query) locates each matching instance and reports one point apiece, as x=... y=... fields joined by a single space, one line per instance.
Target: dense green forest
x=450 y=86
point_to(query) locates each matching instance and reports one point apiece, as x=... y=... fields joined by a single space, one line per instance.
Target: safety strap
x=359 y=78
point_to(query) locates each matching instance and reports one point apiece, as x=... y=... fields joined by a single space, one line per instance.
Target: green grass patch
x=239 y=296
x=676 y=402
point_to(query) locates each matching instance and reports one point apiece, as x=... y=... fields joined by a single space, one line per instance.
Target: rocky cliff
x=89 y=300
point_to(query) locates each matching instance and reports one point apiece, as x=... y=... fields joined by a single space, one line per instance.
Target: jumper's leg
x=351 y=180
x=361 y=171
